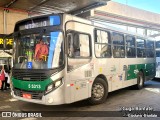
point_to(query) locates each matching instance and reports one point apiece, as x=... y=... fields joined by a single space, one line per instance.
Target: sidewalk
x=4 y=95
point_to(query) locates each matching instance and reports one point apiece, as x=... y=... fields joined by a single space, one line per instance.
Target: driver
x=41 y=51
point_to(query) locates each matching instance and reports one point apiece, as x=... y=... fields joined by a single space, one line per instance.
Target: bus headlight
x=49 y=88
x=54 y=85
x=58 y=83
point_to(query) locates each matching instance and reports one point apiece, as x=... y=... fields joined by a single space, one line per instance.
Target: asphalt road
x=148 y=98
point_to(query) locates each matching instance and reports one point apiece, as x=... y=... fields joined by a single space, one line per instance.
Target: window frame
x=141 y=47
x=157 y=44
x=113 y=45
x=90 y=44
x=109 y=39
x=126 y=46
x=37 y=32
x=149 y=48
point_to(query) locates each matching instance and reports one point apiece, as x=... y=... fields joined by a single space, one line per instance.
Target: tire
x=99 y=92
x=140 y=80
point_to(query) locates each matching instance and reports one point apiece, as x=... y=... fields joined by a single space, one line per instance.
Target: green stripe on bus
x=149 y=69
x=130 y=73
x=31 y=85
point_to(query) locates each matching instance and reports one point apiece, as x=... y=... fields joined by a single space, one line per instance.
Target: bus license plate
x=26 y=95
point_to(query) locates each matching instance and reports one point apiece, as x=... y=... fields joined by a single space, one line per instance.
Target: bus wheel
x=99 y=92
x=140 y=80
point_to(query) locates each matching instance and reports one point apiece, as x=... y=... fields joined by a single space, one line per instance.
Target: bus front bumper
x=55 y=97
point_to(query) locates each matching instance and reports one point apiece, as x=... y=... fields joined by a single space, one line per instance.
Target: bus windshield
x=37 y=51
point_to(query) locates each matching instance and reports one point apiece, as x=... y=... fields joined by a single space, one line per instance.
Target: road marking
x=4 y=107
x=155 y=90
x=28 y=119
x=11 y=100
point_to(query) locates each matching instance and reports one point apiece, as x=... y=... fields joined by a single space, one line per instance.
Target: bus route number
x=38 y=86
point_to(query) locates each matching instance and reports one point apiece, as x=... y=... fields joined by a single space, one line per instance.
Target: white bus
x=76 y=59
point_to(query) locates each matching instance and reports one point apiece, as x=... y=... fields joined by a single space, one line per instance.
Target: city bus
x=61 y=59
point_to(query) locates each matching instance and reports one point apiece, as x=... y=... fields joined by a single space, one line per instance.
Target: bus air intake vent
x=29 y=76
x=88 y=73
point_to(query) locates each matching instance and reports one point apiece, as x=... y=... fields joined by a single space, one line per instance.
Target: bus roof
x=101 y=25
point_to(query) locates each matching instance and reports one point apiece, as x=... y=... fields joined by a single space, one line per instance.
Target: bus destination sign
x=51 y=20
x=34 y=25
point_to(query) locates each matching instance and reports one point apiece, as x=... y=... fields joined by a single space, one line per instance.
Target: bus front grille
x=34 y=94
x=29 y=76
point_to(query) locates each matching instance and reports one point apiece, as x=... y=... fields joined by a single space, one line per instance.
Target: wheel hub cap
x=98 y=91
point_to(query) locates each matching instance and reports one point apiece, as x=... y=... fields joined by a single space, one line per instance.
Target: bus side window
x=78 y=45
x=73 y=45
x=118 y=45
x=130 y=46
x=141 y=51
x=79 y=51
x=102 y=44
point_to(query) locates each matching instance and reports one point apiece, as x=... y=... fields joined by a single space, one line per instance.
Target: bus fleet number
x=34 y=86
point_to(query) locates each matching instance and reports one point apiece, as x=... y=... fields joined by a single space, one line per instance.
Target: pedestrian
x=0 y=84
x=2 y=78
x=6 y=78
